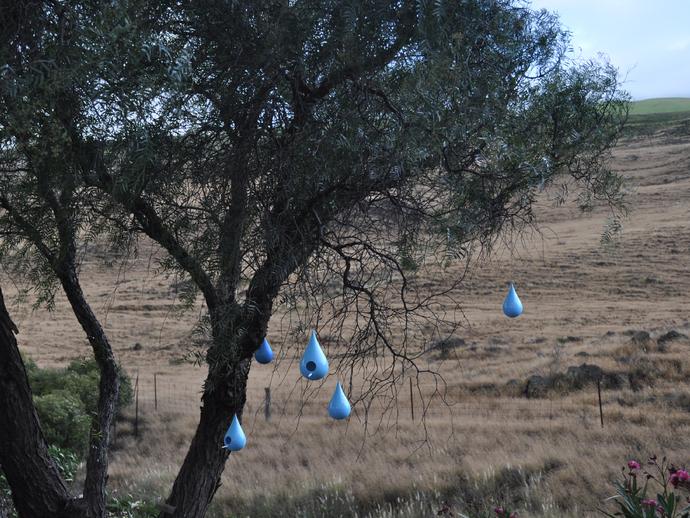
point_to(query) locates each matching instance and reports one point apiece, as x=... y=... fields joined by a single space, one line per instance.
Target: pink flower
x=679 y=476
x=499 y=510
x=633 y=465
x=650 y=502
x=513 y=515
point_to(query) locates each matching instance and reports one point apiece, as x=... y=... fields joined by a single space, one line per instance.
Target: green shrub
x=64 y=420
x=66 y=399
x=66 y=461
x=126 y=390
x=82 y=376
x=127 y=506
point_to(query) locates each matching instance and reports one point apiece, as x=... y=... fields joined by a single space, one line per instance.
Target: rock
x=678 y=400
x=573 y=379
x=625 y=401
x=445 y=346
x=567 y=339
x=671 y=336
x=613 y=381
x=640 y=338
x=642 y=374
x=514 y=388
x=486 y=389
x=583 y=354
x=137 y=347
x=537 y=386
x=585 y=373
x=579 y=377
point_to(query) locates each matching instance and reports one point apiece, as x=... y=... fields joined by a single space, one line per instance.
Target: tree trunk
x=199 y=476
x=109 y=389
x=38 y=490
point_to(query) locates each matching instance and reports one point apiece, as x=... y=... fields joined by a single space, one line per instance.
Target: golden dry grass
x=483 y=445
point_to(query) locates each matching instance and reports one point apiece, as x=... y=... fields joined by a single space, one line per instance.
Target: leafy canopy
x=320 y=148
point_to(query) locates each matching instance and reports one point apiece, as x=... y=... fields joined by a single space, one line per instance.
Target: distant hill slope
x=660 y=105
x=670 y=115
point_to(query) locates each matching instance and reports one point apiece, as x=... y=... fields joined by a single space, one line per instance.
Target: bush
x=127 y=506
x=64 y=420
x=66 y=461
x=66 y=399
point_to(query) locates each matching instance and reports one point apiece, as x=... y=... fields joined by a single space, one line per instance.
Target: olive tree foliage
x=311 y=156
x=325 y=150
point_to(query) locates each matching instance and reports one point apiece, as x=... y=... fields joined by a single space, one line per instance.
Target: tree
x=37 y=488
x=272 y=148
x=44 y=213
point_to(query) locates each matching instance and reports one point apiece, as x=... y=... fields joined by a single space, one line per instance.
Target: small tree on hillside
x=322 y=151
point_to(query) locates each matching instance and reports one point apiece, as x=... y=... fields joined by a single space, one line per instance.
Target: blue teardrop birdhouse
x=234 y=437
x=512 y=307
x=339 y=407
x=314 y=364
x=264 y=354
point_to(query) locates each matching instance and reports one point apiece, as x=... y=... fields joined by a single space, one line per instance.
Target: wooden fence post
x=267 y=403
x=601 y=408
x=411 y=400
x=136 y=407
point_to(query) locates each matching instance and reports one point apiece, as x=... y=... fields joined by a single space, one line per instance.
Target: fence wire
x=164 y=394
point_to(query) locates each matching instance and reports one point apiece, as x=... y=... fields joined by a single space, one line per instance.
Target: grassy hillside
x=486 y=443
x=671 y=115
x=660 y=105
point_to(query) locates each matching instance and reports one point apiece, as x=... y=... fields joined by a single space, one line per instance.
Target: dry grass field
x=487 y=443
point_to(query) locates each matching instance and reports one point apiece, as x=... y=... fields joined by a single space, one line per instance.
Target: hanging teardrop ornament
x=264 y=354
x=235 y=439
x=314 y=364
x=512 y=307
x=339 y=407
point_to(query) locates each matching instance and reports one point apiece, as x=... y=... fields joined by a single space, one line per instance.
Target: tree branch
x=154 y=227
x=29 y=230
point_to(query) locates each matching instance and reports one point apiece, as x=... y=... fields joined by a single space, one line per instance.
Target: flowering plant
x=504 y=513
x=635 y=499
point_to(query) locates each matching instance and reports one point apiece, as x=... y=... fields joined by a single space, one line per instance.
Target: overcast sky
x=647 y=40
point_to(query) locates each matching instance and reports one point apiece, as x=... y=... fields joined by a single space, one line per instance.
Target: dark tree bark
x=199 y=476
x=225 y=391
x=38 y=490
x=109 y=389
